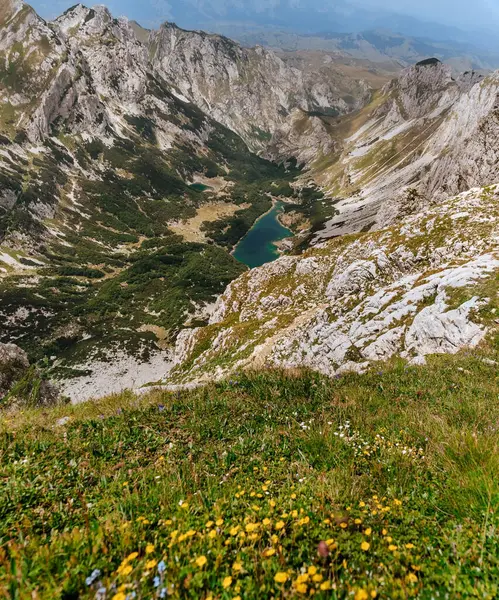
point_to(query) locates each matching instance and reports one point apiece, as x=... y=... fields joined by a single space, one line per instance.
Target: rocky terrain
x=133 y=161
x=425 y=286
x=102 y=136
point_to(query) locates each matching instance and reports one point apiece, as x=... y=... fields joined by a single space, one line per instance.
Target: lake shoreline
x=260 y=245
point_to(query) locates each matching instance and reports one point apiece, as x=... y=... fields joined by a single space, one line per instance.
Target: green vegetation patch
x=269 y=485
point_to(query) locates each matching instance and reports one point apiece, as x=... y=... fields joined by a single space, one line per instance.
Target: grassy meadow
x=271 y=485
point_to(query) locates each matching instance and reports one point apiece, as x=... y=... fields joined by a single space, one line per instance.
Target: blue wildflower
x=161 y=407
x=162 y=594
x=156 y=581
x=92 y=577
x=161 y=567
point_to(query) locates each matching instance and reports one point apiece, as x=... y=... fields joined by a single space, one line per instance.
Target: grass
x=272 y=485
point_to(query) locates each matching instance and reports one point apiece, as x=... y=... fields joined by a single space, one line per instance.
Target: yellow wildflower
x=301 y=588
x=268 y=552
x=132 y=556
x=326 y=586
x=358 y=521
x=374 y=593
x=272 y=503
x=149 y=549
x=219 y=522
x=119 y=596
x=281 y=577
x=312 y=570
x=279 y=525
x=184 y=506
x=397 y=502
x=365 y=546
x=327 y=521
x=201 y=561
x=127 y=569
x=266 y=522
x=227 y=582
x=212 y=534
x=250 y=527
x=330 y=543
x=274 y=539
x=293 y=496
x=384 y=531
x=343 y=525
x=237 y=566
x=150 y=564
x=409 y=546
x=361 y=595
x=411 y=578
x=392 y=547
x=234 y=530
x=209 y=524
x=368 y=531
x=362 y=504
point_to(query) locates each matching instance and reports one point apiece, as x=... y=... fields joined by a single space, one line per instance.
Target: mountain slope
x=426 y=286
x=98 y=155
x=426 y=135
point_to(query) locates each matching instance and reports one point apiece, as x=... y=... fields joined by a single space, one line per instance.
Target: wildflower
x=362 y=504
x=368 y=531
x=234 y=530
x=279 y=525
x=361 y=595
x=161 y=567
x=268 y=552
x=219 y=522
x=272 y=503
x=156 y=581
x=312 y=570
x=227 y=582
x=409 y=546
x=365 y=546
x=281 y=577
x=317 y=577
x=150 y=564
x=237 y=566
x=201 y=561
x=209 y=524
x=250 y=527
x=126 y=570
x=119 y=596
x=132 y=556
x=266 y=522
x=326 y=585
x=301 y=588
x=94 y=575
x=343 y=525
x=411 y=578
x=392 y=547
x=149 y=549
x=323 y=549
x=293 y=496
x=212 y=534
x=358 y=521
x=374 y=593
x=384 y=532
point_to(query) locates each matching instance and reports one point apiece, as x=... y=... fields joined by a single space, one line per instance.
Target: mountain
x=108 y=149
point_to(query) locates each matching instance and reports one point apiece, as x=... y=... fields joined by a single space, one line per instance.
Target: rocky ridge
x=425 y=136
x=423 y=287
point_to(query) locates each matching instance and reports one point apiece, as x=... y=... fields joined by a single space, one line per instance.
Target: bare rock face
x=22 y=385
x=251 y=91
x=422 y=287
x=13 y=364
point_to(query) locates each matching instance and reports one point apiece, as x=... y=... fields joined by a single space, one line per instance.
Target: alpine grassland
x=269 y=485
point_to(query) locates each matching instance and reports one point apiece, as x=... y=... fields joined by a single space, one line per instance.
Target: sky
x=465 y=14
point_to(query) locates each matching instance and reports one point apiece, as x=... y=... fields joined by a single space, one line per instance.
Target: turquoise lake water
x=257 y=247
x=200 y=187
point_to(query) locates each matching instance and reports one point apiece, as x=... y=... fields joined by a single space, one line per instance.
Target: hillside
x=269 y=485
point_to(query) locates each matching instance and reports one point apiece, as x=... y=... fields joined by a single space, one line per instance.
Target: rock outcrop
x=20 y=384
x=426 y=286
